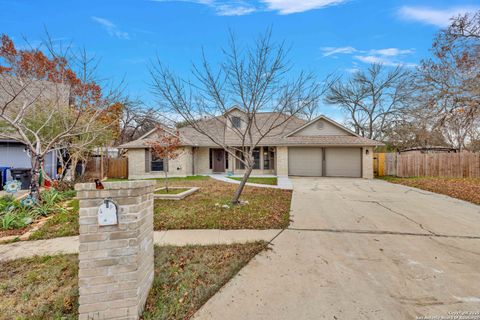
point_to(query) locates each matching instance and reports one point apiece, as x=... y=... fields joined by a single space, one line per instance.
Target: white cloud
x=386 y=56
x=222 y=7
x=244 y=7
x=111 y=28
x=296 y=6
x=383 y=60
x=352 y=70
x=234 y=10
x=391 y=52
x=437 y=17
x=329 y=51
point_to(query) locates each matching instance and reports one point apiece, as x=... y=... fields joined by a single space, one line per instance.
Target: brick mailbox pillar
x=115 y=261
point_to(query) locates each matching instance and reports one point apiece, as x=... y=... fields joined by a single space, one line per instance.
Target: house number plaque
x=108 y=213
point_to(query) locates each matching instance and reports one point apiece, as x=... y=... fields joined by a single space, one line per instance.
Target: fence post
x=115 y=260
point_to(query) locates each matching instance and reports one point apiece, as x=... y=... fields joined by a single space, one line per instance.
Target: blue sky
x=325 y=35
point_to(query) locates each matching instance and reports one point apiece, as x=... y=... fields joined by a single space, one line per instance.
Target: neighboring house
x=317 y=148
x=14 y=155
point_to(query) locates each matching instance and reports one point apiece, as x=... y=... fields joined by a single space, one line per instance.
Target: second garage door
x=305 y=162
x=343 y=162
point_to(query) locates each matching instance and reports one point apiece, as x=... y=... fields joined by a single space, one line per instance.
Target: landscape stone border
x=178 y=196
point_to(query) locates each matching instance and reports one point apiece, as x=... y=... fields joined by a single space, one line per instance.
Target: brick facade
x=115 y=262
x=199 y=160
x=180 y=167
x=282 y=161
x=367 y=163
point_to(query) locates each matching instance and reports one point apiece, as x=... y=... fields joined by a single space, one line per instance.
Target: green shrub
x=8 y=203
x=15 y=220
x=15 y=215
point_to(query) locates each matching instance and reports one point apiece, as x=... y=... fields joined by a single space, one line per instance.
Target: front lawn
x=62 y=224
x=185 y=278
x=467 y=189
x=210 y=208
x=266 y=208
x=260 y=180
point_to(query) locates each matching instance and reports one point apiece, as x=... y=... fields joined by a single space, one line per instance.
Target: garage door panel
x=305 y=162
x=343 y=162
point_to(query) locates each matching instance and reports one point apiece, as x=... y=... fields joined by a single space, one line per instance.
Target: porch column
x=261 y=158
x=282 y=161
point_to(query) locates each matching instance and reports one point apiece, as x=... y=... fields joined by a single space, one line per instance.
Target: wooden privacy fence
x=385 y=164
x=111 y=167
x=455 y=165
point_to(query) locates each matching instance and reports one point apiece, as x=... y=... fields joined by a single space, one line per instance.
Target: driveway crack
x=382 y=232
x=405 y=216
x=398 y=213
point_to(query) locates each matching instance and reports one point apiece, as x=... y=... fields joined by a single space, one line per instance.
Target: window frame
x=236 y=122
x=154 y=160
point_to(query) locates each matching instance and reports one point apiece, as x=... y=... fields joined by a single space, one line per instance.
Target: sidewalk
x=24 y=249
x=284 y=182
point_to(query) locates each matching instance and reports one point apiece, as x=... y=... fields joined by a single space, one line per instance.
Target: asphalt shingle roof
x=277 y=137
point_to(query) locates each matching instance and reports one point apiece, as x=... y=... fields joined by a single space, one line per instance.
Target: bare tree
x=450 y=78
x=136 y=120
x=413 y=128
x=372 y=98
x=44 y=103
x=465 y=26
x=255 y=78
x=449 y=81
x=458 y=128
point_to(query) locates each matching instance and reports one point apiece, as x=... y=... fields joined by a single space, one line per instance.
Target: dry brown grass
x=39 y=288
x=467 y=189
x=185 y=278
x=267 y=208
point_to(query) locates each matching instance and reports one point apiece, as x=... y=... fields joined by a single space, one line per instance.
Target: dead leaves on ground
x=467 y=189
x=267 y=208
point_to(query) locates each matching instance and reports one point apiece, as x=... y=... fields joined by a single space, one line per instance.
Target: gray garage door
x=343 y=162
x=305 y=162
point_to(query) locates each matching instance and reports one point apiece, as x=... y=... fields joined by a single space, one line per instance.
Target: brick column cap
x=116 y=185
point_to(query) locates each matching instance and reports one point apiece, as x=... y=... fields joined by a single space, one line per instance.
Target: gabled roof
x=282 y=136
x=234 y=108
x=326 y=119
x=151 y=137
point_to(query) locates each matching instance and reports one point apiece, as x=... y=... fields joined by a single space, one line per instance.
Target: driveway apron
x=361 y=249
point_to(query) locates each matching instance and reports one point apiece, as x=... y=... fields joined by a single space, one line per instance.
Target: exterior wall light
x=367 y=151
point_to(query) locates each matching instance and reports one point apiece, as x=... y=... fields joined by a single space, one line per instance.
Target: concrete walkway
x=283 y=182
x=25 y=249
x=361 y=249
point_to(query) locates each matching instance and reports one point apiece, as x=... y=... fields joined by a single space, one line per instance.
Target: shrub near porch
x=267 y=208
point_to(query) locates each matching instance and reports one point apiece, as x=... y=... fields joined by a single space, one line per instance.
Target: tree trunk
x=37 y=164
x=73 y=168
x=238 y=192
x=166 y=178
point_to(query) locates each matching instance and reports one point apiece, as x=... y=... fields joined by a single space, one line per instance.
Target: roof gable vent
x=320 y=125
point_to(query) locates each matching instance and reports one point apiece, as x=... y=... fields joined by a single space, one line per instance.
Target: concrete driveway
x=361 y=249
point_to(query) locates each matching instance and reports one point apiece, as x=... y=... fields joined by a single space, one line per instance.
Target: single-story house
x=318 y=148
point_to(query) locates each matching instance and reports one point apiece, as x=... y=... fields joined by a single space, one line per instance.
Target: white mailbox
x=108 y=213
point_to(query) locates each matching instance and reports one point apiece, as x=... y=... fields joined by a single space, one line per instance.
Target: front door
x=218 y=160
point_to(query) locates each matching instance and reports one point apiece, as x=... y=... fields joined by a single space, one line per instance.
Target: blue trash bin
x=3 y=176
